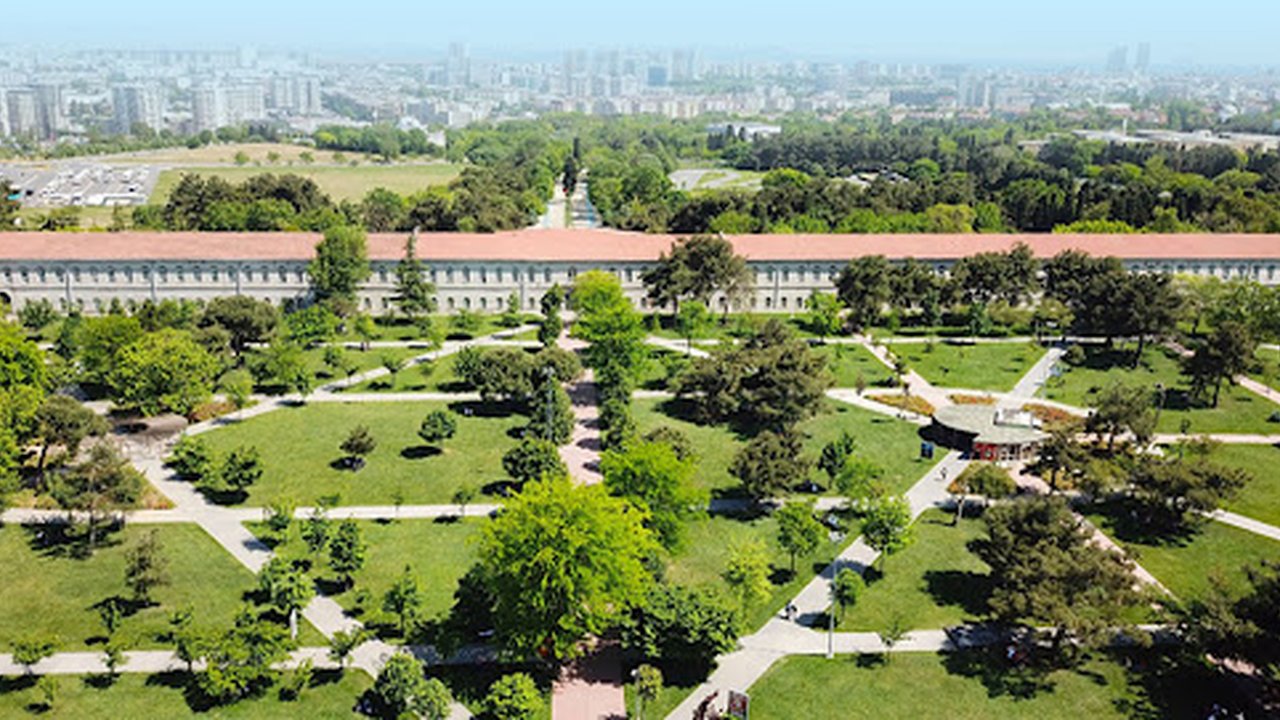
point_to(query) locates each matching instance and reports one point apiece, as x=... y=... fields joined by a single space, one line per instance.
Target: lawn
x=220 y=153
x=438 y=552
x=50 y=592
x=709 y=543
x=934 y=583
x=847 y=363
x=1238 y=411
x=1186 y=565
x=984 y=366
x=919 y=686
x=164 y=696
x=1260 y=499
x=363 y=360
x=339 y=182
x=893 y=444
x=1267 y=367
x=437 y=376
x=300 y=454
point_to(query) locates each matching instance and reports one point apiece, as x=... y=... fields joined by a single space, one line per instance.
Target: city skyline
x=986 y=31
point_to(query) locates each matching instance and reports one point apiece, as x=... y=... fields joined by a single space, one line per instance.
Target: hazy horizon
x=992 y=31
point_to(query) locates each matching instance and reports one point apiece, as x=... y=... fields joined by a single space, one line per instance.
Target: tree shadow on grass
x=420 y=452
x=1125 y=521
x=59 y=539
x=1001 y=677
x=1177 y=684
x=959 y=588
x=480 y=409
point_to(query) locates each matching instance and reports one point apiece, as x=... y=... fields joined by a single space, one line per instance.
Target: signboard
x=739 y=705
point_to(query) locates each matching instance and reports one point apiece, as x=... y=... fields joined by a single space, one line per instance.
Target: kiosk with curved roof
x=989 y=433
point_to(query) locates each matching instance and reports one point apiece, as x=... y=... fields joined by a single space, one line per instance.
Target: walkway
x=1256 y=527
x=678 y=346
x=590 y=688
x=141 y=661
x=582 y=454
x=1034 y=379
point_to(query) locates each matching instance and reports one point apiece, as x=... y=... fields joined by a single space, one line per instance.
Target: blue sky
x=1224 y=32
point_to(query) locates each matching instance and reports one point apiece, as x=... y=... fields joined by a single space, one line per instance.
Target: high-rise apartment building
x=137 y=105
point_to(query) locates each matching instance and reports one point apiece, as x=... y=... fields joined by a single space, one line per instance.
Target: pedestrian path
x=1256 y=527
x=678 y=346
x=141 y=661
x=582 y=454
x=1034 y=379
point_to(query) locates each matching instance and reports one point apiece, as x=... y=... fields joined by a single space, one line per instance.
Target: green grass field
x=1267 y=368
x=849 y=362
x=48 y=593
x=438 y=376
x=1238 y=411
x=893 y=444
x=330 y=696
x=362 y=360
x=339 y=182
x=1186 y=565
x=986 y=366
x=936 y=582
x=299 y=447
x=1260 y=499
x=968 y=686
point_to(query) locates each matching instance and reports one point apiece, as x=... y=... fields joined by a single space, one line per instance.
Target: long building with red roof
x=480 y=272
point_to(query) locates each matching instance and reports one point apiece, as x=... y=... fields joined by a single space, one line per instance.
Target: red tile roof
x=616 y=246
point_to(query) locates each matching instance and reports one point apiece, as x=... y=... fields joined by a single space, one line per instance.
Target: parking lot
x=81 y=184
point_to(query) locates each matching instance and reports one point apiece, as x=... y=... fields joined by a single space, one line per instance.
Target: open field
x=300 y=454
x=934 y=583
x=437 y=376
x=330 y=696
x=989 y=366
x=50 y=592
x=849 y=362
x=921 y=686
x=338 y=181
x=225 y=154
x=893 y=444
x=1260 y=499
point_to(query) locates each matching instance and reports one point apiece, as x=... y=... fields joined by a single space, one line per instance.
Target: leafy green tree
x=551 y=326
x=287 y=589
x=437 y=426
x=836 y=453
x=341 y=264
x=37 y=315
x=586 y=553
x=401 y=689
x=462 y=497
x=608 y=321
x=511 y=314
x=747 y=574
x=824 y=314
x=1046 y=568
x=770 y=464
x=846 y=588
x=1122 y=408
x=347 y=551
x=104 y=482
x=192 y=459
x=648 y=685
x=887 y=526
x=247 y=320
x=403 y=599
x=113 y=657
x=163 y=371
x=513 y=697
x=863 y=287
x=27 y=652
x=653 y=477
x=682 y=630
x=237 y=385
x=551 y=413
x=97 y=342
x=533 y=459
x=693 y=320
x=310 y=326
x=240 y=469
x=62 y=421
x=240 y=661
x=344 y=643
x=1227 y=353
x=799 y=532
x=146 y=568
x=358 y=444
x=1172 y=494
x=698 y=268
x=393 y=365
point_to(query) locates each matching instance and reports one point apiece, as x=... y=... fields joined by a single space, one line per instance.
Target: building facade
x=91 y=271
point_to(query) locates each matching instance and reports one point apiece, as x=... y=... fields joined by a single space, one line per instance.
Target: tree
x=894 y=633
x=551 y=413
x=747 y=574
x=401 y=690
x=38 y=314
x=393 y=365
x=237 y=385
x=824 y=314
x=1045 y=568
x=246 y=320
x=146 y=567
x=533 y=459
x=105 y=481
x=585 y=551
x=403 y=599
x=1121 y=408
x=698 y=268
x=770 y=464
x=241 y=469
x=846 y=588
x=437 y=426
x=462 y=497
x=551 y=327
x=1228 y=352
x=358 y=444
x=48 y=688
x=287 y=589
x=608 y=321
x=513 y=697
x=310 y=326
x=346 y=551
x=887 y=527
x=648 y=686
x=192 y=459
x=511 y=314
x=1061 y=458
x=863 y=288
x=836 y=453
x=241 y=661
x=1173 y=493
x=653 y=477
x=163 y=371
x=344 y=642
x=61 y=420
x=682 y=630
x=692 y=320
x=799 y=533
x=341 y=264
x=30 y=651
x=113 y=657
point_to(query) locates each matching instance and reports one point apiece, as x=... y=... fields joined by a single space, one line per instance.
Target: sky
x=1080 y=32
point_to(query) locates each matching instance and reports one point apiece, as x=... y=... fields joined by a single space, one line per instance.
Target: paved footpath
x=582 y=454
x=1247 y=523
